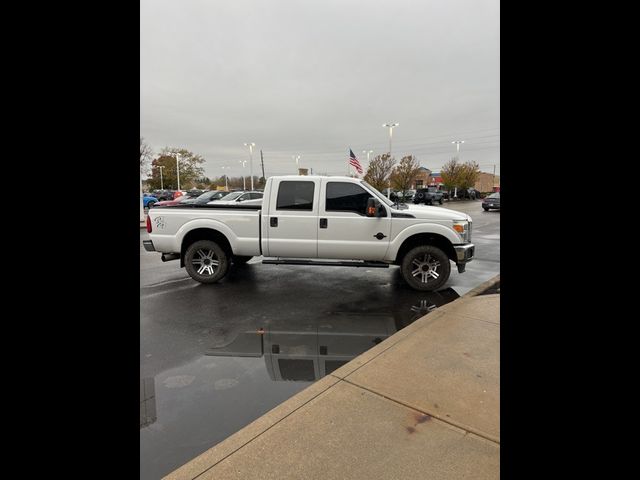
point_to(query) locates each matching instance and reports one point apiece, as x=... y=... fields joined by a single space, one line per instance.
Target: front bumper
x=464 y=254
x=148 y=245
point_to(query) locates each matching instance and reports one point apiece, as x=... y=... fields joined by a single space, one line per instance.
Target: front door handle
x=273 y=221
x=323 y=223
x=380 y=236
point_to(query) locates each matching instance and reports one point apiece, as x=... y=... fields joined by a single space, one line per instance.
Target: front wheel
x=206 y=261
x=426 y=268
x=485 y=209
x=440 y=201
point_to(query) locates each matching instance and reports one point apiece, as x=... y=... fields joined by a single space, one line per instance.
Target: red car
x=170 y=203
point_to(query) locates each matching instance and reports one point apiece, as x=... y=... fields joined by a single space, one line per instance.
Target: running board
x=326 y=263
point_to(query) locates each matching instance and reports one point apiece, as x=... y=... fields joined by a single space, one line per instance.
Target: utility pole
x=262 y=162
x=493 y=182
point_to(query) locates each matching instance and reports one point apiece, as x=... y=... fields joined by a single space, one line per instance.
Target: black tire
x=240 y=260
x=434 y=260
x=485 y=209
x=195 y=261
x=440 y=201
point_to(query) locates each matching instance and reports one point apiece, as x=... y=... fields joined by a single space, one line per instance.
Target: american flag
x=353 y=161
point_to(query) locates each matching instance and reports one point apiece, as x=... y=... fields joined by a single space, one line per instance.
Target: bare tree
x=405 y=173
x=379 y=171
x=146 y=152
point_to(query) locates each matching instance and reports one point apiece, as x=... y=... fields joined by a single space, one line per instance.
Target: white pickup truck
x=314 y=220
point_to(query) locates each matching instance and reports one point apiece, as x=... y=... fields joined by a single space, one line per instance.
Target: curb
x=481 y=288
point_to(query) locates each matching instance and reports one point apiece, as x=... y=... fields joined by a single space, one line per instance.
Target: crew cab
x=314 y=220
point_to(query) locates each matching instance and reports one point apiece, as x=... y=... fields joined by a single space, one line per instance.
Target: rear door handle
x=323 y=223
x=273 y=221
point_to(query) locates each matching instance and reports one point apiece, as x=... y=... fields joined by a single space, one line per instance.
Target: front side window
x=346 y=197
x=295 y=195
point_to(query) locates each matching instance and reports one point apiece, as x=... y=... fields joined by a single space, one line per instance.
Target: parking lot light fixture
x=250 y=145
x=161 y=182
x=390 y=126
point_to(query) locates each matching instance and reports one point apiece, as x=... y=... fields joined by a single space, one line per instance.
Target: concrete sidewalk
x=423 y=404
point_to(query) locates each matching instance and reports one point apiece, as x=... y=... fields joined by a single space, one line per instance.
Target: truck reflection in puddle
x=307 y=350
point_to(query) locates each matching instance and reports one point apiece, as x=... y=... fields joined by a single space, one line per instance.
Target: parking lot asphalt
x=215 y=357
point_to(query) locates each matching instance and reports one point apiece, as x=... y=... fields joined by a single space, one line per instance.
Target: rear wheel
x=440 y=201
x=206 y=262
x=426 y=268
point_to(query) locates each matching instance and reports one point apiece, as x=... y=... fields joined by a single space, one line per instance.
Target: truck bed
x=239 y=223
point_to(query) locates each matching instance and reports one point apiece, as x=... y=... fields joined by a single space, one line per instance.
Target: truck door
x=292 y=221
x=344 y=230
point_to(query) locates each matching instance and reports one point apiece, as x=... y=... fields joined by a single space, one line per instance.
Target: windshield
x=231 y=196
x=378 y=194
x=494 y=195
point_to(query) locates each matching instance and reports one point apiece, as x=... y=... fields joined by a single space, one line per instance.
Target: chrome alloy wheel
x=205 y=261
x=425 y=267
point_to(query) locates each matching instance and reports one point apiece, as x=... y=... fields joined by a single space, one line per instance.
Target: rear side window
x=255 y=196
x=295 y=196
x=346 y=197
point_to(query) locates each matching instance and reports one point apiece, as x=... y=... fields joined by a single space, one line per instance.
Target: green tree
x=379 y=171
x=404 y=174
x=469 y=173
x=190 y=168
x=450 y=173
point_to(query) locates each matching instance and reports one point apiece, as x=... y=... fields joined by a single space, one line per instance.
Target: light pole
x=390 y=126
x=250 y=145
x=457 y=143
x=297 y=159
x=178 y=168
x=161 y=182
x=226 y=183
x=244 y=182
x=368 y=152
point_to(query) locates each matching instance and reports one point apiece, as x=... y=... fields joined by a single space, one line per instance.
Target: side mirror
x=375 y=208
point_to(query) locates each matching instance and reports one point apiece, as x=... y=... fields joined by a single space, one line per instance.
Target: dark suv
x=428 y=196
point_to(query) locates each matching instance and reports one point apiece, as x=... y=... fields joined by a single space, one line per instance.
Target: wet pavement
x=213 y=358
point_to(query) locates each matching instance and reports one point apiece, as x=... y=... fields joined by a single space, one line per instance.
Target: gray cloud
x=315 y=78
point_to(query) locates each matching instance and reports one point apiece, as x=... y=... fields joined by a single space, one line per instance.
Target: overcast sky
x=315 y=78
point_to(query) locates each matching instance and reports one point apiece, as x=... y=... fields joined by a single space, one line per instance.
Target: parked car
x=428 y=196
x=491 y=201
x=163 y=195
x=169 y=203
x=148 y=201
x=194 y=193
x=468 y=193
x=235 y=198
x=209 y=196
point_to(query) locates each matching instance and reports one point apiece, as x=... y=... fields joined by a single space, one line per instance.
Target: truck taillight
x=148 y=224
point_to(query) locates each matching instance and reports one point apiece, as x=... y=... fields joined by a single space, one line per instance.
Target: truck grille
x=470 y=225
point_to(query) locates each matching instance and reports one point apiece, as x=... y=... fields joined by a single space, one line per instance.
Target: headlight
x=463 y=229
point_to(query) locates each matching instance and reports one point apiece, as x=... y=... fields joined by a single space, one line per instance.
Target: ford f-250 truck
x=314 y=220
